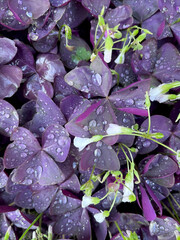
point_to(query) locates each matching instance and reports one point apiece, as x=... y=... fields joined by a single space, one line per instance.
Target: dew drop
x=129 y=102
x=99 y=144
x=146 y=143
x=22 y=146
x=100 y=110
x=41 y=129
x=97 y=152
x=92 y=123
x=30 y=170
x=85 y=89
x=97 y=79
x=7 y=115
x=23 y=155
x=29 y=14
x=58 y=150
x=50 y=136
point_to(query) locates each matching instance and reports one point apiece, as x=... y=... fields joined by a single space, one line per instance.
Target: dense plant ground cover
x=89 y=119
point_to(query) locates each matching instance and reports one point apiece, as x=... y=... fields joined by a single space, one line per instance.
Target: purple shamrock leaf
x=10 y=80
x=142 y=10
x=56 y=142
x=47 y=113
x=94 y=121
x=95 y=7
x=166 y=70
x=41 y=168
x=24 y=58
x=121 y=15
x=143 y=61
x=9 y=119
x=34 y=84
x=96 y=79
x=158 y=124
x=24 y=146
x=4 y=224
x=59 y=3
x=131 y=99
x=81 y=51
x=127 y=221
x=47 y=43
x=163 y=228
x=158 y=26
x=48 y=66
x=73 y=105
x=62 y=89
x=70 y=218
x=40 y=30
x=42 y=198
x=74 y=15
x=126 y=74
x=19 y=219
x=25 y=11
x=8 y=50
x=100 y=155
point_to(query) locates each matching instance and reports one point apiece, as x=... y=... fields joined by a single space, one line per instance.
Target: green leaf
x=83 y=54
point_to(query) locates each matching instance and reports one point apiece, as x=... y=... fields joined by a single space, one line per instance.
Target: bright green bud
x=137 y=47
x=102 y=11
x=135 y=32
x=101 y=21
x=118 y=34
x=147 y=101
x=141 y=37
x=147 y=31
x=132 y=197
x=133 y=149
x=157 y=135
x=106 y=213
x=105 y=176
x=95 y=200
x=116 y=173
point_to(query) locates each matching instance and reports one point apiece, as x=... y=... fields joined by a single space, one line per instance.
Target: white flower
x=120 y=59
x=86 y=201
x=115 y=129
x=157 y=94
x=107 y=55
x=99 y=217
x=129 y=186
x=81 y=143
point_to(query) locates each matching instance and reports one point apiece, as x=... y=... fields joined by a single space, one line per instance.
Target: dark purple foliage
x=59 y=101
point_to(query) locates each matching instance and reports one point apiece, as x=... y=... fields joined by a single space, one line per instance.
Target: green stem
x=114 y=200
x=169 y=211
x=174 y=211
x=122 y=235
x=27 y=230
x=99 y=40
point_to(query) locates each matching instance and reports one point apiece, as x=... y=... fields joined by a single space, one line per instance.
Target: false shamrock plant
x=128 y=182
